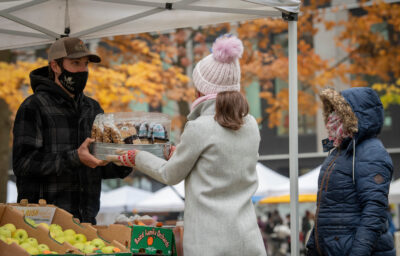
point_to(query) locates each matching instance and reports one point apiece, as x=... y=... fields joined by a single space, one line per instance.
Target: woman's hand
x=124 y=158
x=168 y=153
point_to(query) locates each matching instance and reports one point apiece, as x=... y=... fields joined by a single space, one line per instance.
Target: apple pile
x=10 y=234
x=79 y=241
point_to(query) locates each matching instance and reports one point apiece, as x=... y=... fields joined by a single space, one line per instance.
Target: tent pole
x=293 y=136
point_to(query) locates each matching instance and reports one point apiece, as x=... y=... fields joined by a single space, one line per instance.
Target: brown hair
x=59 y=62
x=230 y=108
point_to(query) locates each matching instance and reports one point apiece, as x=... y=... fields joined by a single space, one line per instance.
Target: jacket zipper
x=327 y=173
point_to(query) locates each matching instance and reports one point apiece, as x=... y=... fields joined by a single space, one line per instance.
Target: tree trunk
x=5 y=126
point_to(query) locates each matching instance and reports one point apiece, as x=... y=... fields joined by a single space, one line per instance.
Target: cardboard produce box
x=153 y=240
x=9 y=214
x=141 y=239
x=178 y=233
x=118 y=232
x=51 y=214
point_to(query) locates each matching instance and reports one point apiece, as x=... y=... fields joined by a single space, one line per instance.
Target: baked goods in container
x=131 y=128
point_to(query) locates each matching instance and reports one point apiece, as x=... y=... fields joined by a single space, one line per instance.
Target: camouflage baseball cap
x=72 y=48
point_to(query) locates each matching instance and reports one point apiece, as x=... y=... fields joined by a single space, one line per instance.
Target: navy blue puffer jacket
x=353 y=185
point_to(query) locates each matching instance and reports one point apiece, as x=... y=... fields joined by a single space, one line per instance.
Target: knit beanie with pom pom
x=220 y=71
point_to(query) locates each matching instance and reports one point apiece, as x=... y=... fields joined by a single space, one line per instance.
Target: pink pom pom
x=226 y=49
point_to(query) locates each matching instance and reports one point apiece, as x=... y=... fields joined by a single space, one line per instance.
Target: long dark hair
x=230 y=108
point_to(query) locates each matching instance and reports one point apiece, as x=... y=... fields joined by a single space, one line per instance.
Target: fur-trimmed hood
x=360 y=109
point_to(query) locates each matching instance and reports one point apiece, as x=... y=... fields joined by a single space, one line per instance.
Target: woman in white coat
x=217 y=158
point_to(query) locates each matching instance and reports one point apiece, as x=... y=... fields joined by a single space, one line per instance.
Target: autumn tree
x=154 y=67
x=374 y=49
x=370 y=37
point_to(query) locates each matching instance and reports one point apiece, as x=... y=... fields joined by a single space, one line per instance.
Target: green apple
x=26 y=245
x=5 y=232
x=80 y=238
x=32 y=241
x=44 y=225
x=70 y=239
x=20 y=234
x=108 y=249
x=55 y=226
x=98 y=243
x=89 y=248
x=56 y=233
x=4 y=239
x=79 y=246
x=32 y=250
x=30 y=221
x=43 y=247
x=60 y=239
x=69 y=231
x=11 y=227
x=12 y=240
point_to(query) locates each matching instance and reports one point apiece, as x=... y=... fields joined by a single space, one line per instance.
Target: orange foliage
x=147 y=75
x=369 y=53
x=14 y=81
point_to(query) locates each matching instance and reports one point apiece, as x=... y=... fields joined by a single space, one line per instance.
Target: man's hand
x=86 y=158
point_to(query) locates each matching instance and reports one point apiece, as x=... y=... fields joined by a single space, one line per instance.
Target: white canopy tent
x=394 y=192
x=267 y=181
x=12 y=192
x=167 y=199
x=308 y=184
x=36 y=22
x=122 y=199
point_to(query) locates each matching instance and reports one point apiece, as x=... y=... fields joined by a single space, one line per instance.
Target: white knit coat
x=219 y=169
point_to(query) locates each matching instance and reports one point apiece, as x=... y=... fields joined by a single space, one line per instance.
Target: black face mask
x=73 y=82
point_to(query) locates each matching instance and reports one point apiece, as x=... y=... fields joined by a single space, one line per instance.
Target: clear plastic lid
x=132 y=128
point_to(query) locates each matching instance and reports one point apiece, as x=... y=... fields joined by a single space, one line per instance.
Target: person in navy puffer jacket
x=353 y=183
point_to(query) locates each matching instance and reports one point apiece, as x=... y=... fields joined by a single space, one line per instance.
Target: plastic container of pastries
x=130 y=130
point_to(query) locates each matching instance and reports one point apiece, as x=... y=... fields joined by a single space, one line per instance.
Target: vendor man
x=51 y=158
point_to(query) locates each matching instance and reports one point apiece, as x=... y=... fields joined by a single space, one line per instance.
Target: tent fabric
x=37 y=22
x=12 y=192
x=287 y=5
x=267 y=180
x=394 y=192
x=166 y=199
x=308 y=184
x=122 y=199
x=303 y=198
